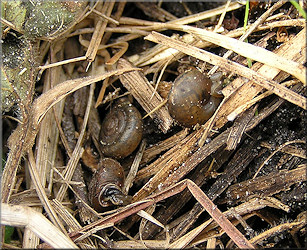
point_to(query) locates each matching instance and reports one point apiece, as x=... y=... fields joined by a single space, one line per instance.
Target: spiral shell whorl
x=121 y=131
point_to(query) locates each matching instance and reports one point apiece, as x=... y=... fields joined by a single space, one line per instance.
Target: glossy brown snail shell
x=105 y=188
x=121 y=130
x=193 y=98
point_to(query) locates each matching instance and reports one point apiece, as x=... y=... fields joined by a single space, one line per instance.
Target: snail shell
x=192 y=98
x=105 y=188
x=121 y=130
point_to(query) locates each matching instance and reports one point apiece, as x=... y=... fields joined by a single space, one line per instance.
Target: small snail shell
x=192 y=98
x=105 y=188
x=121 y=130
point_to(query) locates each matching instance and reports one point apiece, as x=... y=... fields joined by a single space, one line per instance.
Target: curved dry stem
x=200 y=196
x=21 y=216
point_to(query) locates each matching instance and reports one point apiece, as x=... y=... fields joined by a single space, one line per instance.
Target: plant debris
x=238 y=180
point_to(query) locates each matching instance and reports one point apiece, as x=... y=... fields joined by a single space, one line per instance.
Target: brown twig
x=212 y=209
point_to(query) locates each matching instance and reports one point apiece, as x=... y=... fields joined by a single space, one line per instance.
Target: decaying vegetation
x=239 y=180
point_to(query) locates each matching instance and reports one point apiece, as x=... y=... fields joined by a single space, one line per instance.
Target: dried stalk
x=238 y=129
x=76 y=155
x=243 y=91
x=41 y=192
x=275 y=151
x=250 y=51
x=266 y=185
x=23 y=136
x=232 y=231
x=199 y=234
x=231 y=172
x=71 y=221
x=99 y=31
x=200 y=155
x=236 y=68
x=252 y=27
x=134 y=168
x=156 y=149
x=299 y=222
x=155 y=244
x=138 y=85
x=232 y=116
x=47 y=142
x=20 y=216
x=292 y=150
x=158 y=53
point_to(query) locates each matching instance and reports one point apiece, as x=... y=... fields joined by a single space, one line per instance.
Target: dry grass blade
x=252 y=28
x=267 y=185
x=232 y=116
x=288 y=150
x=250 y=51
x=247 y=50
x=182 y=187
x=20 y=216
x=299 y=222
x=200 y=196
x=47 y=141
x=163 y=166
x=154 y=55
x=53 y=96
x=51 y=65
x=234 y=67
x=71 y=221
x=238 y=129
x=134 y=168
x=275 y=151
x=158 y=53
x=138 y=85
x=23 y=136
x=42 y=194
x=77 y=153
x=162 y=26
x=99 y=31
x=242 y=92
x=150 y=218
x=202 y=232
x=152 y=151
x=125 y=244
x=218 y=216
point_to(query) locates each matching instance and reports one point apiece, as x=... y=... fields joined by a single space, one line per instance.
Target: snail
x=121 y=130
x=105 y=187
x=193 y=98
